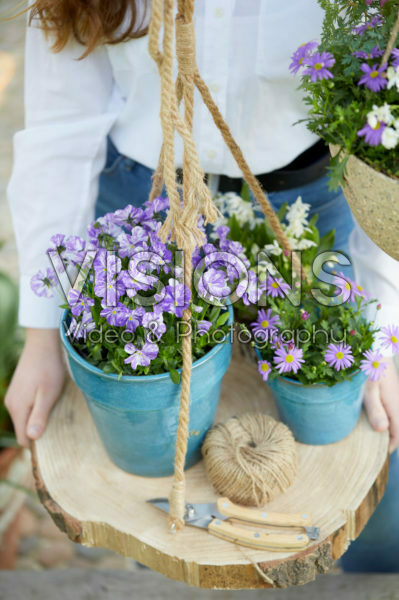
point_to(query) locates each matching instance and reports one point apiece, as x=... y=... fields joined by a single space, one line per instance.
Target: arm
x=53 y=188
x=378 y=273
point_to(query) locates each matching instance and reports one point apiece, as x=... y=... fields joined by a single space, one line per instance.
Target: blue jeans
x=125 y=181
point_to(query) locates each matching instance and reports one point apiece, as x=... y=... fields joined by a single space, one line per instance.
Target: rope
x=181 y=223
x=391 y=42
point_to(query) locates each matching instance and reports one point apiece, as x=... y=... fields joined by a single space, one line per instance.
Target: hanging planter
x=351 y=82
x=316 y=357
x=374 y=201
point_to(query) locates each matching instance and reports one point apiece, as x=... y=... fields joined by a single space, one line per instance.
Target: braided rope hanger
x=182 y=221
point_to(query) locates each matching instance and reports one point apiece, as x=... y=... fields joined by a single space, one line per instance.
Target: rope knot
x=185 y=47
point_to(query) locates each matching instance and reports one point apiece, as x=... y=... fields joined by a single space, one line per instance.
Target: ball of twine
x=251 y=459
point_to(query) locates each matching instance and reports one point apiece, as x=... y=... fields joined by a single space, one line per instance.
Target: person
x=92 y=138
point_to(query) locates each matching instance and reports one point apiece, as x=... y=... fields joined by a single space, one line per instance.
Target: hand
x=381 y=401
x=36 y=384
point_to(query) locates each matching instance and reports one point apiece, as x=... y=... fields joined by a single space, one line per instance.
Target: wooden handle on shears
x=257 y=540
x=262 y=517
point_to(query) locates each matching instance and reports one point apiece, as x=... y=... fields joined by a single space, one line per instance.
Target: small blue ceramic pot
x=318 y=414
x=137 y=416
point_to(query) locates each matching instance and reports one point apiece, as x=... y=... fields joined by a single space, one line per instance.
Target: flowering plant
x=241 y=222
x=128 y=298
x=351 y=91
x=321 y=338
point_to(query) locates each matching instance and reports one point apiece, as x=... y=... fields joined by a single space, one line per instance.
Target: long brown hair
x=90 y=22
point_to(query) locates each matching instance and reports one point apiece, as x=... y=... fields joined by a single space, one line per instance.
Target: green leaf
x=245 y=192
x=175 y=376
x=222 y=319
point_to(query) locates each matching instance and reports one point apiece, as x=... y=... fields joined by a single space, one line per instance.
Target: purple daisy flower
x=361 y=29
x=297 y=59
x=347 y=288
x=264 y=368
x=78 y=302
x=43 y=282
x=390 y=338
x=373 y=77
x=106 y=264
x=372 y=365
x=276 y=287
x=265 y=323
x=372 y=135
x=141 y=356
x=110 y=289
x=339 y=356
x=318 y=66
x=374 y=53
x=287 y=360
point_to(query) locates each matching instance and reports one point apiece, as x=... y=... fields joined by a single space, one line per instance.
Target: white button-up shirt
x=243 y=53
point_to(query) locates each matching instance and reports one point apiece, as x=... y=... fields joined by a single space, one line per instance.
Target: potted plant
x=317 y=355
x=241 y=223
x=351 y=83
x=122 y=332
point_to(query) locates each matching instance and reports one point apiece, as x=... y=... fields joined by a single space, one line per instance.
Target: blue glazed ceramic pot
x=318 y=414
x=136 y=416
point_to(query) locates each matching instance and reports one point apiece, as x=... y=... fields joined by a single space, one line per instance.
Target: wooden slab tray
x=97 y=504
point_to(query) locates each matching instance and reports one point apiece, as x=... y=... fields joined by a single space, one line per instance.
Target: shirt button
x=214 y=87
x=211 y=153
x=218 y=12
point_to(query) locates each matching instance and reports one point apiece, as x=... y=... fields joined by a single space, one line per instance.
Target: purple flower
x=175 y=299
x=287 y=360
x=249 y=289
x=75 y=249
x=141 y=356
x=276 y=287
x=297 y=59
x=265 y=323
x=79 y=303
x=373 y=77
x=43 y=282
x=264 y=368
x=157 y=205
x=130 y=215
x=339 y=356
x=110 y=289
x=203 y=327
x=304 y=315
x=348 y=288
x=213 y=284
x=390 y=338
x=128 y=243
x=106 y=264
x=222 y=231
x=115 y=315
x=153 y=321
x=372 y=135
x=382 y=2
x=361 y=29
x=374 y=53
x=395 y=57
x=372 y=365
x=318 y=65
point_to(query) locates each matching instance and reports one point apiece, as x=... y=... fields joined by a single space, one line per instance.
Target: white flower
x=297 y=217
x=380 y=113
x=274 y=249
x=255 y=249
x=393 y=77
x=390 y=138
x=303 y=244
